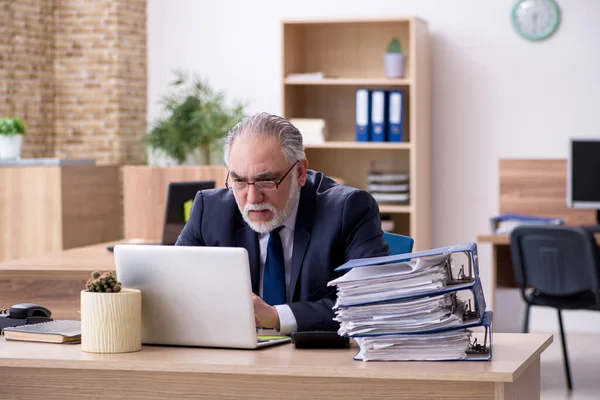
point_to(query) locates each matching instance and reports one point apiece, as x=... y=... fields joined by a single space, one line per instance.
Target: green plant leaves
x=10 y=126
x=198 y=117
x=394 y=46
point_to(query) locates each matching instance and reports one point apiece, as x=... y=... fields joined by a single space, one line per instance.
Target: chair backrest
x=399 y=244
x=556 y=260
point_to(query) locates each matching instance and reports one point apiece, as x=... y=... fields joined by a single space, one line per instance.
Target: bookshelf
x=350 y=54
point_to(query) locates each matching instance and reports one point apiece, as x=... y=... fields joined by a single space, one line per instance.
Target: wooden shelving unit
x=350 y=54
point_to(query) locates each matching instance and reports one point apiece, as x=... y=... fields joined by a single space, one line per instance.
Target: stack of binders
x=426 y=306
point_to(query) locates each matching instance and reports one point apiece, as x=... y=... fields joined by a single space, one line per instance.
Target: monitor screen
x=180 y=198
x=583 y=175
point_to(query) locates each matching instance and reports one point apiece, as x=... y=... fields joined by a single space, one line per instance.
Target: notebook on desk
x=57 y=331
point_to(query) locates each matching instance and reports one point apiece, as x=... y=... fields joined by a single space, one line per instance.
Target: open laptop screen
x=180 y=197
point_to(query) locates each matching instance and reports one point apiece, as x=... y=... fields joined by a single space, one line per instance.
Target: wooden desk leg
x=527 y=386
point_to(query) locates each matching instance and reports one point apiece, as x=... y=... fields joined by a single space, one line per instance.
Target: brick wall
x=27 y=70
x=132 y=78
x=79 y=71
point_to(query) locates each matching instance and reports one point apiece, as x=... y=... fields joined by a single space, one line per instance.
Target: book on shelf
x=313 y=130
x=426 y=305
x=56 y=331
x=301 y=76
x=388 y=187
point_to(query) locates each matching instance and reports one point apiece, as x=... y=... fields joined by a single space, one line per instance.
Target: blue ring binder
x=404 y=306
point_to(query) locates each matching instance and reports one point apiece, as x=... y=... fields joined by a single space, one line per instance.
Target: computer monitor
x=583 y=174
x=180 y=197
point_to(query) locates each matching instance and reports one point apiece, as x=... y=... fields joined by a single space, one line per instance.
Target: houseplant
x=12 y=130
x=197 y=118
x=111 y=316
x=393 y=60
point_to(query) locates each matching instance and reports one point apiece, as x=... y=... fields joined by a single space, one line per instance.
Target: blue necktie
x=274 y=273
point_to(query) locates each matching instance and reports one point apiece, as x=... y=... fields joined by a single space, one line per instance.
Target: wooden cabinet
x=350 y=55
x=47 y=209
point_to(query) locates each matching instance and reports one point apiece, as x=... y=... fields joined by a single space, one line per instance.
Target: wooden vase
x=111 y=322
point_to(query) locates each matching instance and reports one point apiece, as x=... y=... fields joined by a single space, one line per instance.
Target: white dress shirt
x=287 y=321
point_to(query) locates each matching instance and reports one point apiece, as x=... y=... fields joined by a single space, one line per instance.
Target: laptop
x=193 y=295
x=180 y=197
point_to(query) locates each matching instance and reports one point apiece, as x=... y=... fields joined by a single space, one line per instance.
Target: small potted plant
x=111 y=316
x=12 y=131
x=393 y=60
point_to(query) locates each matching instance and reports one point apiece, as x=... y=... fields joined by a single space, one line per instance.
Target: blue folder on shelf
x=362 y=118
x=378 y=116
x=395 y=117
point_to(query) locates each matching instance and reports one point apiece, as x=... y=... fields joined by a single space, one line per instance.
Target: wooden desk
x=53 y=371
x=54 y=280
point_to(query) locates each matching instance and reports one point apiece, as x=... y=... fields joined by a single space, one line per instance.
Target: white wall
x=494 y=94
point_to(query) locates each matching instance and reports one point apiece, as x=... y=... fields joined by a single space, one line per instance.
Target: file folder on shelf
x=362 y=115
x=395 y=120
x=378 y=116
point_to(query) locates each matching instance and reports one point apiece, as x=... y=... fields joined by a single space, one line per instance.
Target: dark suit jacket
x=334 y=224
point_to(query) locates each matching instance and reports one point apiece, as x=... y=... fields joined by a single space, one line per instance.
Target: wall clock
x=535 y=19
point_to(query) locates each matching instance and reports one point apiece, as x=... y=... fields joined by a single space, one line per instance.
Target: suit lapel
x=302 y=232
x=248 y=239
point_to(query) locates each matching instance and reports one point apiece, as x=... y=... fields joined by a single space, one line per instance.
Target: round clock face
x=535 y=19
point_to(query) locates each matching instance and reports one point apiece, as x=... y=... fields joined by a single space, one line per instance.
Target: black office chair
x=557 y=267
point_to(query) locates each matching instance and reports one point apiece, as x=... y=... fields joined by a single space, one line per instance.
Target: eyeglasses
x=239 y=186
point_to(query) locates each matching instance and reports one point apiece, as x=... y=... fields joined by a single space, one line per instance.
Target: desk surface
x=505 y=239
x=493 y=239
x=512 y=354
x=73 y=264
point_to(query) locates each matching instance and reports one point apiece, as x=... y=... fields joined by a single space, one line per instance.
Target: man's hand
x=265 y=315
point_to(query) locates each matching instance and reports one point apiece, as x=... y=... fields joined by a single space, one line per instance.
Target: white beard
x=279 y=217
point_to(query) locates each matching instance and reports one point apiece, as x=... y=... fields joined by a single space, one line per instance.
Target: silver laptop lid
x=191 y=295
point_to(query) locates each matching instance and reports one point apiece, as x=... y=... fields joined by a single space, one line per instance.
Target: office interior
x=497 y=119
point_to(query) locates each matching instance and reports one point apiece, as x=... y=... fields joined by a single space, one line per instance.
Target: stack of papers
x=426 y=347
x=416 y=306
x=504 y=224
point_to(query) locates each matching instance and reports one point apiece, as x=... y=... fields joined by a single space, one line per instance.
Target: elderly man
x=296 y=224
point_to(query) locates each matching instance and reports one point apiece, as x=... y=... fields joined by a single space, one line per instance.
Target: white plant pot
x=10 y=147
x=111 y=322
x=394 y=65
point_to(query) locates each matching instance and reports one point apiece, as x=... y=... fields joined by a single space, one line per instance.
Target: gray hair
x=264 y=124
